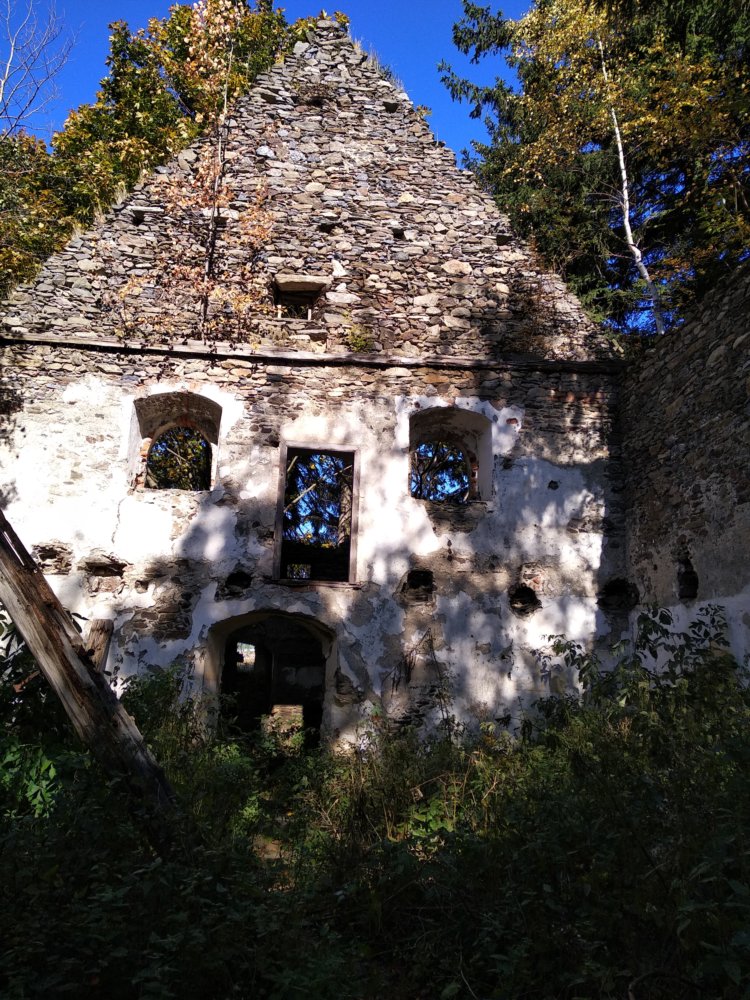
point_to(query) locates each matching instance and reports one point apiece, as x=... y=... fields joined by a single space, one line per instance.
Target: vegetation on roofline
x=600 y=852
x=166 y=84
x=623 y=154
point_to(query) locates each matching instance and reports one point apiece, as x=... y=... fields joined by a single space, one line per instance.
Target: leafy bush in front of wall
x=601 y=852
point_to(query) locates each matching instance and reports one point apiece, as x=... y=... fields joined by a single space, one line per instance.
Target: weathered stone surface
x=423 y=309
x=351 y=189
x=456 y=267
x=687 y=424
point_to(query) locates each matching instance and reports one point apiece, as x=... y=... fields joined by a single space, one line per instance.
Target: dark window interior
x=317 y=518
x=179 y=459
x=440 y=470
x=295 y=305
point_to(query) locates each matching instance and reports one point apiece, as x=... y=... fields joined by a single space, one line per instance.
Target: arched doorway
x=273 y=664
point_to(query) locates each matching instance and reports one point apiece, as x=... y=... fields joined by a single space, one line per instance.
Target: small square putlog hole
x=687 y=580
x=419 y=585
x=617 y=595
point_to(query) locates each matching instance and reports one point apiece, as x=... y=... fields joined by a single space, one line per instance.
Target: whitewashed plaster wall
x=73 y=487
x=430 y=301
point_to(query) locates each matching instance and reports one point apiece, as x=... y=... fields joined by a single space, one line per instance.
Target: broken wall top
x=330 y=178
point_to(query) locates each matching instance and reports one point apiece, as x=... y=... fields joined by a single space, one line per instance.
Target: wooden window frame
x=285 y=448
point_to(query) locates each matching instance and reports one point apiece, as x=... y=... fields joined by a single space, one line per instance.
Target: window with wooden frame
x=316 y=517
x=295 y=295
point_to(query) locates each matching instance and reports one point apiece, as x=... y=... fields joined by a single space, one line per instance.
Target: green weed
x=602 y=854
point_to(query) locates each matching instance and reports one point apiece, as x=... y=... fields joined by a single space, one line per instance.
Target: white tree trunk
x=625 y=206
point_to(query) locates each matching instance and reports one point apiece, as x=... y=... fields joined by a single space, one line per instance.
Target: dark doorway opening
x=274 y=667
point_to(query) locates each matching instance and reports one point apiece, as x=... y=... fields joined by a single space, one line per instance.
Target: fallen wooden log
x=72 y=665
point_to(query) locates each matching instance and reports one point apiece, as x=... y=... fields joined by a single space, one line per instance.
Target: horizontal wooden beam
x=307 y=359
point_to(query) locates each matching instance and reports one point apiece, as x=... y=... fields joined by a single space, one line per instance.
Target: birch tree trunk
x=625 y=208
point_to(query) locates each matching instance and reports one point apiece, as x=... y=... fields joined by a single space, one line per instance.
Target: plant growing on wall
x=165 y=86
x=200 y=295
x=195 y=291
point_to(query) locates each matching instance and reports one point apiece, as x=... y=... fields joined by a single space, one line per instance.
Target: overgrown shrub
x=601 y=852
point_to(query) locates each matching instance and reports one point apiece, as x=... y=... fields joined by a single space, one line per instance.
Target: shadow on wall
x=442 y=600
x=428 y=603
x=11 y=404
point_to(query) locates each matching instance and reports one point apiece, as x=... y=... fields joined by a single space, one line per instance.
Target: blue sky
x=410 y=37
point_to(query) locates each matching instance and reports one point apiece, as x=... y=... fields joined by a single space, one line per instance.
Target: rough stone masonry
x=370 y=304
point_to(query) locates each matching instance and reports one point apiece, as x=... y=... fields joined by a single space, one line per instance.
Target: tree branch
x=31 y=55
x=625 y=206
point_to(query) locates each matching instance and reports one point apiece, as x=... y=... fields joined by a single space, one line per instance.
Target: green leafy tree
x=179 y=459
x=440 y=471
x=33 y=213
x=624 y=154
x=35 y=216
x=317 y=500
x=166 y=84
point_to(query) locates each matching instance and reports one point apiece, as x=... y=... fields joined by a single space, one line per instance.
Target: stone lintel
x=288 y=282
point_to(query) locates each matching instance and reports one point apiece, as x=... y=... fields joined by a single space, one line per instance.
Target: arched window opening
x=450 y=455
x=172 y=441
x=317 y=515
x=274 y=667
x=179 y=459
x=441 y=470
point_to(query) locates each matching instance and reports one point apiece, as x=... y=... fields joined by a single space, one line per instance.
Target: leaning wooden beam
x=97 y=641
x=90 y=703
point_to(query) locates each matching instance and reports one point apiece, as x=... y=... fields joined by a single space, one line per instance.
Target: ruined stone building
x=406 y=447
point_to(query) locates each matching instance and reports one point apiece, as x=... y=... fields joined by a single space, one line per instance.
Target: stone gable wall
x=428 y=303
x=417 y=260
x=686 y=406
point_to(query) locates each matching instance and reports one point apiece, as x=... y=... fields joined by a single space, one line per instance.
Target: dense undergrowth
x=602 y=852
